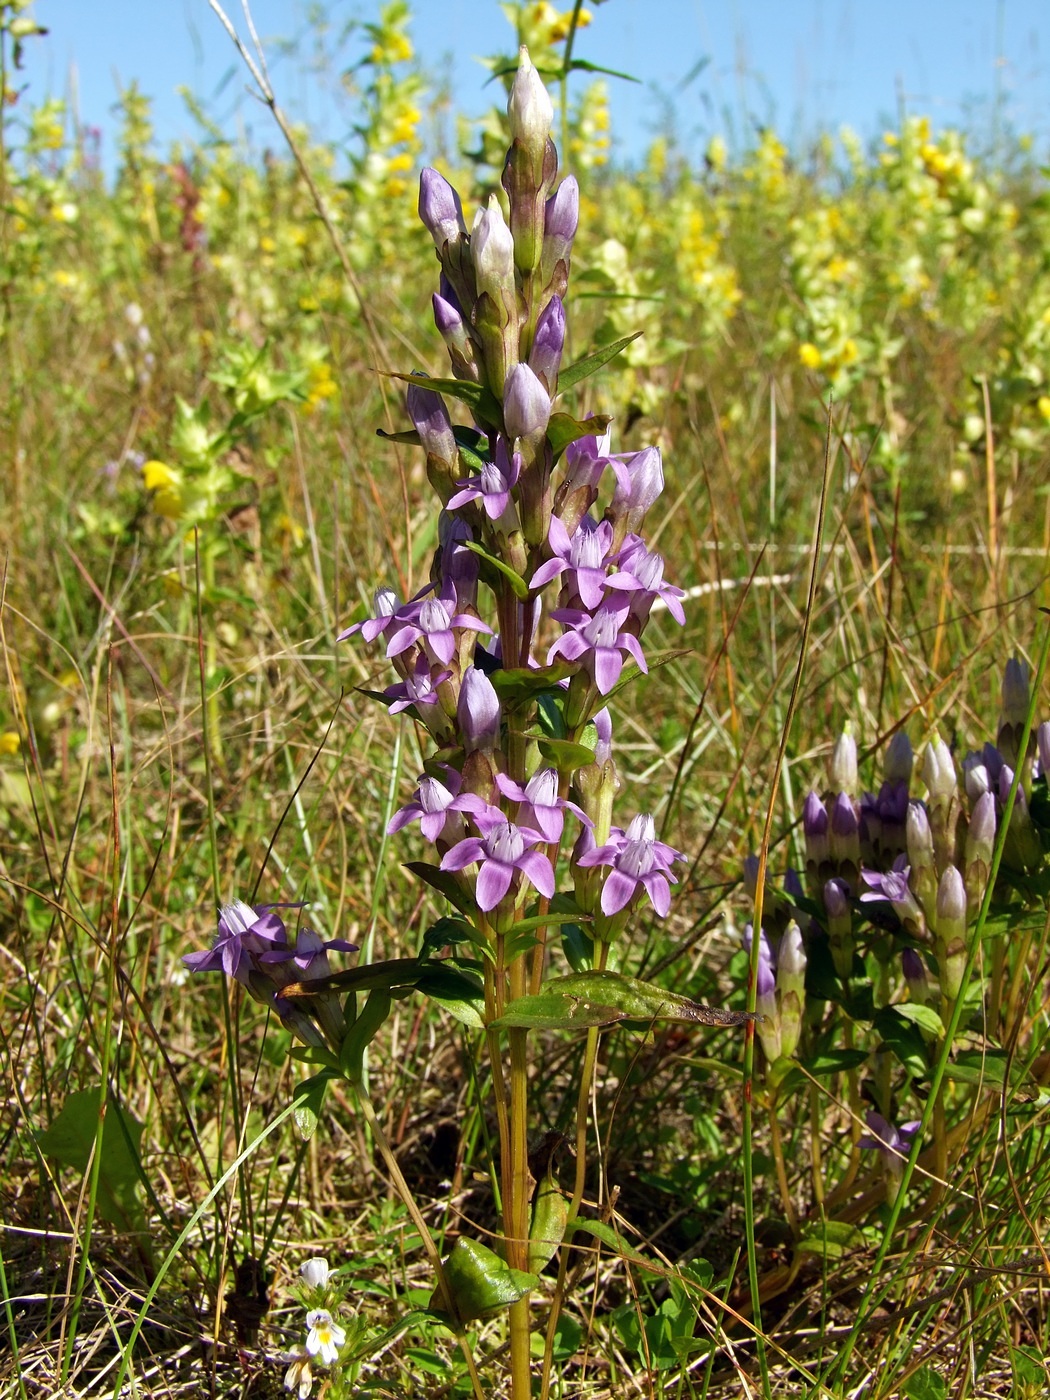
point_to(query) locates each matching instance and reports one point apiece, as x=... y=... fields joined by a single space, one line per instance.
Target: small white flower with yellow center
x=314 y=1272
x=325 y=1336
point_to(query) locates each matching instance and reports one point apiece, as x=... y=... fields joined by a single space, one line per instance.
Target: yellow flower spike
x=1043 y=404
x=10 y=742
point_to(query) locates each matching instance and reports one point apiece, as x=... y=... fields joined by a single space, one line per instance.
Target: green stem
x=402 y=1188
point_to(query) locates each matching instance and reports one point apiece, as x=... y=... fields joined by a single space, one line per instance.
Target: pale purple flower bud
x=603 y=725
x=899 y=758
x=529 y=108
x=633 y=496
x=836 y=901
x=815 y=829
x=980 y=833
x=751 y=864
x=548 y=344
x=453 y=331
x=844 y=763
x=1016 y=693
x=845 y=831
x=976 y=778
x=526 y=403
x=951 y=904
x=793 y=886
x=440 y=208
x=478 y=712
x=492 y=249
x=768 y=1027
x=791 y=987
x=430 y=416
x=919 y=837
x=560 y=222
x=791 y=956
x=938 y=770
x=914 y=970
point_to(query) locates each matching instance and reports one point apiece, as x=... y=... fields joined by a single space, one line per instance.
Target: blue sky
x=801 y=65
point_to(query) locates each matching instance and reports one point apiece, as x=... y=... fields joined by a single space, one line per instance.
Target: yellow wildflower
x=810 y=355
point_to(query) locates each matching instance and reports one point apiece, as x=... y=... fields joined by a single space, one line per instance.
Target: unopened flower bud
x=529 y=108
x=453 y=331
x=560 y=221
x=478 y=712
x=980 y=833
x=1042 y=740
x=548 y=343
x=899 y=758
x=632 y=499
x=843 y=768
x=951 y=931
x=492 y=249
x=791 y=987
x=526 y=404
x=430 y=416
x=914 y=970
x=845 y=833
x=1016 y=694
x=440 y=208
x=815 y=830
x=938 y=770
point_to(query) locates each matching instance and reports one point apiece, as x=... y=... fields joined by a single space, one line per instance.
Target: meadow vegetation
x=844 y=359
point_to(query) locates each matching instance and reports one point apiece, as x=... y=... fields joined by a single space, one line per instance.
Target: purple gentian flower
x=815 y=829
x=434 y=802
x=440 y=208
x=478 y=711
x=386 y=603
x=548 y=343
x=540 y=806
x=637 y=860
x=526 y=403
x=434 y=623
x=309 y=957
x=893 y=885
x=502 y=853
x=417 y=689
x=493 y=484
x=893 y=1143
x=597 y=641
x=246 y=933
x=640 y=573
x=584 y=556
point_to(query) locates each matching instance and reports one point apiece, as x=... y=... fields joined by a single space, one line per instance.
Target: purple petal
x=539 y=870
x=659 y=892
x=617 y=891
x=493 y=883
x=608 y=663
x=462 y=854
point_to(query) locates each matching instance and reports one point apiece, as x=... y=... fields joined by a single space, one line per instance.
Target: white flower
x=299 y=1375
x=314 y=1273
x=325 y=1336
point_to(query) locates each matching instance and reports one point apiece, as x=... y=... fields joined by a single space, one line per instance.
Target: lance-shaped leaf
x=635 y=1000
x=394 y=975
x=308 y=1099
x=477 y=397
x=518 y=685
x=550 y=1215
x=361 y=1034
x=480 y=1282
x=554 y=1011
x=582 y=368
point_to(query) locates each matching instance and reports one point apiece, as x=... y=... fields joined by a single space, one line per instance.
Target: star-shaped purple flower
x=417 y=689
x=893 y=885
x=640 y=573
x=493 y=484
x=246 y=933
x=434 y=802
x=597 y=641
x=540 y=807
x=434 y=625
x=636 y=860
x=583 y=556
x=893 y=1143
x=500 y=855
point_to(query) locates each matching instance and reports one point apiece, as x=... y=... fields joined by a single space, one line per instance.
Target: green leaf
x=830 y=1239
x=70 y=1140
x=830 y=1062
x=925 y=1384
x=444 y=882
x=578 y=947
x=448 y=929
x=361 y=1034
x=584 y=65
x=547 y=1011
x=904 y=1040
x=518 y=685
x=519 y=587
x=462 y=995
x=476 y=396
x=607 y=1235
x=587 y=366
x=643 y=1001
x=925 y=1017
x=564 y=755
x=309 y=1100
x=550 y=1215
x=480 y=1281
x=563 y=429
